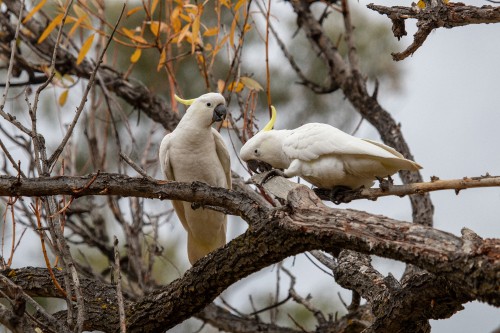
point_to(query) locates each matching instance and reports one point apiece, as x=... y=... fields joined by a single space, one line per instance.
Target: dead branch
x=443 y=16
x=125 y=186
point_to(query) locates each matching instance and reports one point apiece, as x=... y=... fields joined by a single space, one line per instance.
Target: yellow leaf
x=157 y=27
x=219 y=46
x=34 y=10
x=54 y=23
x=130 y=34
x=220 y=86
x=77 y=24
x=63 y=97
x=251 y=83
x=239 y=4
x=226 y=124
x=135 y=56
x=139 y=39
x=247 y=27
x=183 y=33
x=195 y=30
x=85 y=48
x=196 y=27
x=127 y=32
x=133 y=11
x=233 y=29
x=211 y=32
x=153 y=6
x=163 y=59
x=185 y=17
x=79 y=11
x=235 y=87
x=175 y=22
x=70 y=19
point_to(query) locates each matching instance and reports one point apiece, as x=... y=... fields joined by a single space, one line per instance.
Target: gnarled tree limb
x=470 y=264
x=448 y=16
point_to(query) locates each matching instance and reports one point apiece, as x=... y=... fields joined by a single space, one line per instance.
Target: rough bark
x=448 y=16
x=469 y=265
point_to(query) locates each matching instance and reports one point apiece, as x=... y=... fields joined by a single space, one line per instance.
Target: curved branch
x=470 y=264
x=235 y=202
x=448 y=16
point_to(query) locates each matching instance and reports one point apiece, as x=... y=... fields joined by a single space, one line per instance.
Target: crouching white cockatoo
x=323 y=155
x=195 y=151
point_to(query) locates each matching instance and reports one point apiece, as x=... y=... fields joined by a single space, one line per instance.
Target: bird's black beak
x=219 y=113
x=258 y=166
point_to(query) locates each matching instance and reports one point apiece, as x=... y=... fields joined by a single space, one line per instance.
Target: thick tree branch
x=448 y=16
x=235 y=202
x=470 y=264
x=125 y=186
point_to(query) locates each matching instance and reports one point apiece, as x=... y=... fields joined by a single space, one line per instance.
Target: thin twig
x=11 y=159
x=36 y=210
x=136 y=167
x=58 y=151
x=268 y=71
x=38 y=140
x=320 y=317
x=11 y=62
x=413 y=188
x=324 y=259
x=349 y=38
x=318 y=266
x=119 y=294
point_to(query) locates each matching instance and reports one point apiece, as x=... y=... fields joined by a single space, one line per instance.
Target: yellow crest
x=184 y=101
x=270 y=124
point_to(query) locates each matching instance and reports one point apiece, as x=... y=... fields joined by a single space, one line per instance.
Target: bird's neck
x=190 y=121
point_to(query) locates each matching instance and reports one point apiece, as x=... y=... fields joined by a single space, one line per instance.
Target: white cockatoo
x=195 y=151
x=323 y=155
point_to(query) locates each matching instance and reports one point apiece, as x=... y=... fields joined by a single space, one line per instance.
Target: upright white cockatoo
x=323 y=155
x=195 y=151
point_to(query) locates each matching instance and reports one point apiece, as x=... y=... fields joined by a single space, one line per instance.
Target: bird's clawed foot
x=271 y=174
x=338 y=194
x=385 y=184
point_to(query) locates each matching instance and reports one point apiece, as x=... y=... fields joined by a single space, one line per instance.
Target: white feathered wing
x=327 y=157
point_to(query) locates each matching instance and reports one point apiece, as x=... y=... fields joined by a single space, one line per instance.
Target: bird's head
x=206 y=109
x=264 y=150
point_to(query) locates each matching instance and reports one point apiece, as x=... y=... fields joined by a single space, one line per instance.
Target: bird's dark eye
x=209 y=104
x=256 y=151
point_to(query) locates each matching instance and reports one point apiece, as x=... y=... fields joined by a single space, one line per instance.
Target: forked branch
x=443 y=16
